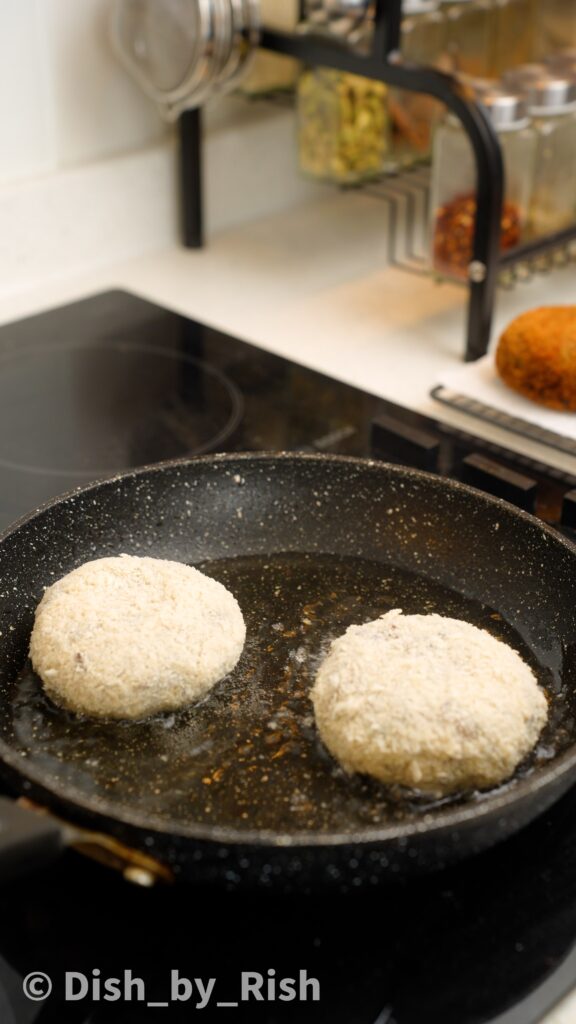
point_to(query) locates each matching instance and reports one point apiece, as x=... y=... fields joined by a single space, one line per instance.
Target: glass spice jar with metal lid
x=343 y=122
x=343 y=126
x=552 y=107
x=470 y=36
x=556 y=26
x=520 y=79
x=349 y=19
x=453 y=193
x=514 y=34
x=563 y=63
x=412 y=114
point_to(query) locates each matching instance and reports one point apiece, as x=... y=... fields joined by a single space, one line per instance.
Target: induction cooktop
x=113 y=382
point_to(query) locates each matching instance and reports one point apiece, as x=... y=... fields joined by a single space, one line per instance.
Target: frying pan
x=239 y=789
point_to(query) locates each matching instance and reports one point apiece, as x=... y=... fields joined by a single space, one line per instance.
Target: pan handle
x=27 y=840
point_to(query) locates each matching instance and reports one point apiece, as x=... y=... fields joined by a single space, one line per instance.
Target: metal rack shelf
x=406 y=195
x=384 y=64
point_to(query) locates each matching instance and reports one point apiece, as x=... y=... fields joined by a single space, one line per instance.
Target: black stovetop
x=114 y=382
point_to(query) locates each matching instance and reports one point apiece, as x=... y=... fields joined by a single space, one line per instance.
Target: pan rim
x=508 y=796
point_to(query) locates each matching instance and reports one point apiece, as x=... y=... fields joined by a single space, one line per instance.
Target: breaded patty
x=428 y=702
x=536 y=356
x=127 y=637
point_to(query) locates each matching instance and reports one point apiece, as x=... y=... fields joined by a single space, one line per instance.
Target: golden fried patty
x=536 y=356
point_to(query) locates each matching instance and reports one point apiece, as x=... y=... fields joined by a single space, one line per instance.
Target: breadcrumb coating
x=536 y=356
x=127 y=637
x=427 y=702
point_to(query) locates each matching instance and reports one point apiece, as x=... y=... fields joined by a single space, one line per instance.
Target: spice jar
x=413 y=114
x=274 y=72
x=552 y=106
x=352 y=20
x=562 y=64
x=520 y=79
x=343 y=127
x=470 y=36
x=514 y=34
x=453 y=199
x=556 y=26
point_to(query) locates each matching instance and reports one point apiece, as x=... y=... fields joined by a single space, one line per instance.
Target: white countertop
x=312 y=285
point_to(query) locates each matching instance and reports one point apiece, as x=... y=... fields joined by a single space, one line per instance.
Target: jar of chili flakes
x=453 y=199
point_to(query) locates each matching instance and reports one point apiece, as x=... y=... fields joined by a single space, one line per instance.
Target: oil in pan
x=249 y=754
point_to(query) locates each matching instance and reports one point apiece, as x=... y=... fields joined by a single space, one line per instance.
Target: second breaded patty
x=428 y=702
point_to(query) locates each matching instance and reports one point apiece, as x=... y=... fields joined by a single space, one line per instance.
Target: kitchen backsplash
x=75 y=126
x=64 y=99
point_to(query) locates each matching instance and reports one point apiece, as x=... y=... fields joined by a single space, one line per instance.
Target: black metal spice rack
x=383 y=64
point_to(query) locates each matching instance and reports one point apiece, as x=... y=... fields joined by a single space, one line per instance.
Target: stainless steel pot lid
x=182 y=51
x=245 y=39
x=159 y=43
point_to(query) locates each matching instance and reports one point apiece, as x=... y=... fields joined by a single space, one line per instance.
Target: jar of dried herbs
x=453 y=198
x=343 y=126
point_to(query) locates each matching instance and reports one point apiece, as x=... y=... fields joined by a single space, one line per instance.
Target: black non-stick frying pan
x=239 y=788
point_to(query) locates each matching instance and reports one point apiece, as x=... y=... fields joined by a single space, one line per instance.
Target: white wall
x=64 y=99
x=98 y=110
x=27 y=142
x=88 y=168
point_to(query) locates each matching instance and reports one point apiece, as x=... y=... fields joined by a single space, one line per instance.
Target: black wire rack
x=405 y=194
x=407 y=197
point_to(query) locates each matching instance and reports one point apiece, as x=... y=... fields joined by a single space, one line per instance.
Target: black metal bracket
x=384 y=64
x=191 y=190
